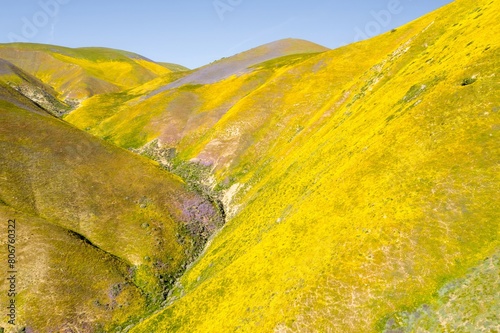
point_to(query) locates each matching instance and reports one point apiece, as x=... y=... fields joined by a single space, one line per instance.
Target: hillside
x=358 y=185
x=173 y=67
x=77 y=74
x=362 y=196
x=17 y=86
x=184 y=109
x=240 y=63
x=102 y=234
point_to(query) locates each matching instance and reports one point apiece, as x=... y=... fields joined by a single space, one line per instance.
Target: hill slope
x=80 y=73
x=173 y=67
x=185 y=108
x=102 y=234
x=32 y=89
x=362 y=193
x=240 y=63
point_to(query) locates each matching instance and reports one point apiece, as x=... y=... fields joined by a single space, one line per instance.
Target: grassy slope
x=366 y=188
x=65 y=283
x=8 y=92
x=174 y=67
x=469 y=304
x=80 y=73
x=241 y=62
x=15 y=81
x=144 y=224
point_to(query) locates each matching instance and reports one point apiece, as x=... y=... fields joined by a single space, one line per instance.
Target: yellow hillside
x=366 y=181
x=77 y=74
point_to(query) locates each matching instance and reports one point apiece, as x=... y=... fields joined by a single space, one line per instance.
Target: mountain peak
x=294 y=45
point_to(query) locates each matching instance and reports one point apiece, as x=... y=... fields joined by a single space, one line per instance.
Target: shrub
x=469 y=80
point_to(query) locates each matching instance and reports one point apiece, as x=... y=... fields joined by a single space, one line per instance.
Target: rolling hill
x=77 y=74
x=185 y=108
x=359 y=186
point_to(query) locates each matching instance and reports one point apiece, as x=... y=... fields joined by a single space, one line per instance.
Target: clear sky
x=196 y=32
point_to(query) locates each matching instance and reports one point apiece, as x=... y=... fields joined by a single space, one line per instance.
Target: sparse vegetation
x=469 y=80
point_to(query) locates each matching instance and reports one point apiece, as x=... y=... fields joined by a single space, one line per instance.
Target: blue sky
x=196 y=32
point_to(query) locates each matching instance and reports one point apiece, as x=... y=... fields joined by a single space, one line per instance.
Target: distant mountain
x=241 y=63
x=358 y=185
